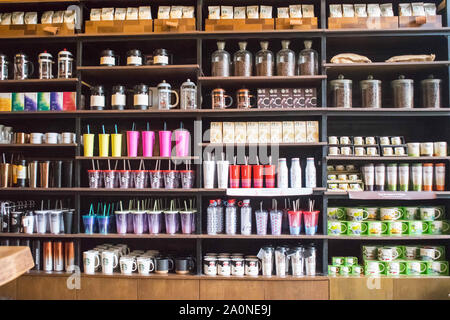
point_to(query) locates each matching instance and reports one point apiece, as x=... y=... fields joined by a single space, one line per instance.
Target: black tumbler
x=36 y=253
x=67 y=173
x=55 y=172
x=68 y=219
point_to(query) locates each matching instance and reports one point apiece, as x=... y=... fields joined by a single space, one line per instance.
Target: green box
x=43 y=101
x=337 y=261
x=357 y=270
x=437 y=268
x=345 y=270
x=18 y=101
x=333 y=270
x=438 y=227
x=356 y=228
x=350 y=261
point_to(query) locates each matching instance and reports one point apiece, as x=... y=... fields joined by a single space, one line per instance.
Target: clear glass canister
x=65 y=64
x=108 y=58
x=370 y=93
x=161 y=57
x=431 y=92
x=243 y=61
x=403 y=92
x=220 y=61
x=97 y=98
x=140 y=97
x=4 y=67
x=285 y=60
x=134 y=58
x=341 y=90
x=264 y=60
x=308 y=60
x=118 y=97
x=188 y=95
x=45 y=61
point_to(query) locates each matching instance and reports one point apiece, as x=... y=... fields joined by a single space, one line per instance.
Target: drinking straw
x=270 y=160
x=91 y=209
x=148 y=126
x=143 y=165
x=121 y=207
x=4 y=158
x=181 y=124
x=109 y=165
x=93 y=165
x=165 y=126
x=257 y=160
x=98 y=207
x=132 y=128
x=104 y=210
x=261 y=205
x=129 y=165
x=42 y=204
x=103 y=128
x=88 y=129
x=115 y=126
x=115 y=166
x=98 y=165
x=223 y=156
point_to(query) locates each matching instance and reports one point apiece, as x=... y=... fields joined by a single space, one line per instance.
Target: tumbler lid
x=431 y=79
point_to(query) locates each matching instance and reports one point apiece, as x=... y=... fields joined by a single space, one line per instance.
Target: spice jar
x=108 y=58
x=244 y=99
x=219 y=99
x=188 y=95
x=118 y=97
x=403 y=90
x=97 y=98
x=65 y=64
x=3 y=67
x=161 y=57
x=341 y=90
x=308 y=61
x=140 y=97
x=45 y=61
x=264 y=60
x=285 y=60
x=134 y=58
x=370 y=93
x=243 y=61
x=431 y=92
x=220 y=61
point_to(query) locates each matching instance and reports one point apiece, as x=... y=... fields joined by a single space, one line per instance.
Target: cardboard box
x=252 y=132
x=31 y=101
x=288 y=132
x=312 y=131
x=69 y=101
x=240 y=132
x=56 y=101
x=18 y=101
x=300 y=131
x=215 y=132
x=286 y=98
x=276 y=132
x=304 y=97
x=263 y=99
x=275 y=98
x=43 y=101
x=264 y=132
x=5 y=101
x=228 y=132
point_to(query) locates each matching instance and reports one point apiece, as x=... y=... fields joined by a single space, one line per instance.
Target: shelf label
x=380 y=195
x=268 y=192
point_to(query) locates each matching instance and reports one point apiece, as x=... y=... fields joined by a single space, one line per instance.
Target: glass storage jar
x=97 y=98
x=140 y=97
x=285 y=60
x=118 y=97
x=341 y=90
x=370 y=93
x=308 y=60
x=243 y=61
x=220 y=61
x=108 y=58
x=264 y=60
x=403 y=92
x=134 y=58
x=431 y=92
x=188 y=95
x=161 y=57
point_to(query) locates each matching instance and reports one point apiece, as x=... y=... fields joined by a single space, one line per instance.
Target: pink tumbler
x=132 y=143
x=148 y=141
x=165 y=143
x=182 y=139
x=311 y=219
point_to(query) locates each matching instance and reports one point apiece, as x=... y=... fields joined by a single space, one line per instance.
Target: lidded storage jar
x=108 y=58
x=285 y=60
x=118 y=98
x=403 y=92
x=97 y=98
x=431 y=92
x=220 y=61
x=264 y=60
x=243 y=61
x=308 y=60
x=134 y=58
x=341 y=91
x=370 y=93
x=140 y=97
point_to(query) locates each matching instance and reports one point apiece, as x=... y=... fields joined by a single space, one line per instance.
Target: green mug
x=437 y=268
x=395 y=268
x=350 y=261
x=374 y=268
x=390 y=214
x=376 y=228
x=336 y=213
x=333 y=270
x=416 y=227
x=374 y=213
x=357 y=214
x=336 y=228
x=410 y=252
x=397 y=228
x=345 y=270
x=438 y=227
x=415 y=268
x=356 y=228
x=337 y=261
x=370 y=252
x=410 y=213
x=430 y=213
x=357 y=270
x=441 y=250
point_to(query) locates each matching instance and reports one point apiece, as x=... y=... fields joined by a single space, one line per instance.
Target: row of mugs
x=365 y=140
x=388 y=228
x=425 y=213
x=396 y=268
x=360 y=151
x=48 y=138
x=236 y=265
x=409 y=252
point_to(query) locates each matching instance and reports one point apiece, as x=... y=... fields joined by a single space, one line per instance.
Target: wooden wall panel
x=363 y=288
x=168 y=289
x=103 y=288
x=43 y=288
x=422 y=289
x=231 y=290
x=296 y=290
x=9 y=290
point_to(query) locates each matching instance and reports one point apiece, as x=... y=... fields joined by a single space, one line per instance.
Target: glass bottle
x=108 y=58
x=188 y=95
x=308 y=61
x=310 y=173
x=231 y=217
x=264 y=60
x=243 y=61
x=285 y=60
x=140 y=97
x=220 y=61
x=246 y=218
x=161 y=57
x=296 y=173
x=283 y=180
x=134 y=58
x=211 y=223
x=97 y=98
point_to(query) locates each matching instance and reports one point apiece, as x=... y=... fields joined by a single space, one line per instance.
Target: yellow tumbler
x=116 y=144
x=88 y=141
x=103 y=144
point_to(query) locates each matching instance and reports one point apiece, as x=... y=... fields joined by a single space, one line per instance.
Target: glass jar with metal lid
x=97 y=98
x=431 y=92
x=65 y=64
x=23 y=68
x=285 y=60
x=220 y=61
x=243 y=61
x=370 y=93
x=134 y=58
x=264 y=60
x=161 y=57
x=188 y=95
x=308 y=60
x=108 y=58
x=341 y=91
x=118 y=97
x=403 y=92
x=4 y=64
x=140 y=97
x=45 y=61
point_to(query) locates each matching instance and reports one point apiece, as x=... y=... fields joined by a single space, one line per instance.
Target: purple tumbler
x=156 y=179
x=186 y=221
x=171 y=221
x=94 y=179
x=109 y=177
x=139 y=177
x=165 y=143
x=187 y=178
x=138 y=222
x=130 y=224
x=132 y=143
x=261 y=222
x=125 y=179
x=170 y=179
x=276 y=218
x=121 y=221
x=88 y=222
x=154 y=221
x=103 y=224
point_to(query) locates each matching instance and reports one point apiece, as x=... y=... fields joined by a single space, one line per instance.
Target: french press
x=23 y=68
x=164 y=96
x=65 y=64
x=219 y=99
x=3 y=67
x=188 y=95
x=45 y=61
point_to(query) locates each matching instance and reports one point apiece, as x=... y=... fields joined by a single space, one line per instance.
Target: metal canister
x=58 y=256
x=47 y=256
x=403 y=92
x=69 y=256
x=36 y=253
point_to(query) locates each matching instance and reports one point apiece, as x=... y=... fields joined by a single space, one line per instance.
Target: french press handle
x=177 y=99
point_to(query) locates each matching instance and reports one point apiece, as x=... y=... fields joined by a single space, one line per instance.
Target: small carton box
x=215 y=132
x=228 y=132
x=31 y=101
x=263 y=98
x=252 y=132
x=304 y=98
x=300 y=131
x=286 y=98
x=56 y=101
x=276 y=132
x=312 y=131
x=18 y=101
x=43 y=101
x=69 y=101
x=5 y=101
x=275 y=98
x=288 y=131
x=240 y=132
x=264 y=132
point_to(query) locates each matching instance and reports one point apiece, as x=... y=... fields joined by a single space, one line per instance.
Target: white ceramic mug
x=360 y=151
x=389 y=214
x=91 y=261
x=333 y=140
x=36 y=138
x=428 y=254
x=346 y=151
x=51 y=138
x=333 y=151
x=67 y=137
x=384 y=141
x=344 y=140
x=127 y=265
x=370 y=140
x=358 y=141
x=252 y=267
x=396 y=140
x=387 y=254
x=223 y=266
x=145 y=265
x=411 y=252
x=109 y=262
x=414 y=149
x=430 y=213
x=237 y=266
x=210 y=266
x=372 y=151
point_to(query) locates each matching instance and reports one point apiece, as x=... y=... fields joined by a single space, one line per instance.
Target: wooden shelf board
x=42 y=145
x=136 y=158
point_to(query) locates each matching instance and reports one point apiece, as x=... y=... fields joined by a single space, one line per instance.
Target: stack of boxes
x=38 y=101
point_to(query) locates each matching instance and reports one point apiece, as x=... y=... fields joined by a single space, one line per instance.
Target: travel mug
x=132 y=143
x=121 y=221
x=246 y=176
x=88 y=142
x=109 y=178
x=269 y=173
x=148 y=141
x=261 y=222
x=235 y=175
x=33 y=174
x=44 y=168
x=165 y=143
x=182 y=142
x=295 y=222
x=186 y=221
x=67 y=173
x=258 y=176
x=171 y=221
x=103 y=145
x=125 y=179
x=222 y=174
x=156 y=179
x=311 y=218
x=4 y=175
x=94 y=177
x=154 y=219
x=116 y=144
x=276 y=218
x=187 y=179
x=68 y=219
x=56 y=171
x=209 y=167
